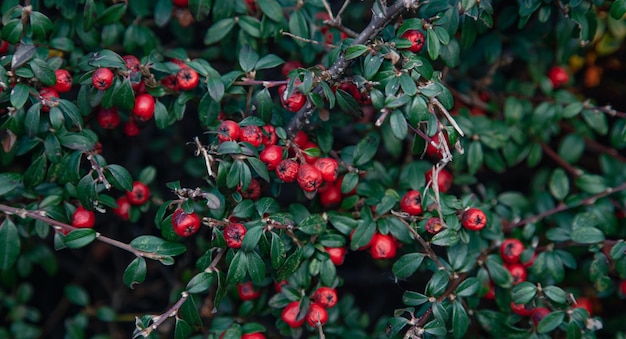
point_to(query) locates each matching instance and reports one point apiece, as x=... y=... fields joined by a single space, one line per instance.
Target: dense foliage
x=312 y=168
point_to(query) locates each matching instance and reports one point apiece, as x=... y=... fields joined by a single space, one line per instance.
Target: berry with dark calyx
x=558 y=76
x=181 y=3
x=290 y=315
x=309 y=148
x=228 y=130
x=435 y=152
x=584 y=303
x=522 y=309
x=185 y=224
x=252 y=192
x=251 y=134
x=269 y=135
x=294 y=102
x=187 y=78
x=287 y=170
x=234 y=234
x=301 y=139
x=271 y=156
x=518 y=271
x=474 y=219
x=108 y=118
x=48 y=96
x=411 y=202
x=64 y=81
x=330 y=196
x=383 y=246
x=144 y=107
x=247 y=291
x=130 y=128
x=255 y=335
x=444 y=179
x=83 y=218
x=538 y=314
x=329 y=168
x=309 y=178
x=139 y=194
x=316 y=314
x=416 y=38
x=511 y=250
x=289 y=66
x=102 y=78
x=325 y=296
x=433 y=225
x=123 y=208
x=252 y=6
x=171 y=82
x=4 y=47
x=337 y=254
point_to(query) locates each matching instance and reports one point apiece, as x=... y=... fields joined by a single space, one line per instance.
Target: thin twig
x=208 y=159
x=96 y=167
x=171 y=312
x=573 y=171
x=315 y=42
x=426 y=245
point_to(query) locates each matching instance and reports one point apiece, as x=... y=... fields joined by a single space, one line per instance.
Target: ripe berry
x=181 y=3
x=383 y=247
x=294 y=102
x=132 y=62
x=316 y=315
x=247 y=291
x=329 y=168
x=83 y=218
x=234 y=234
x=309 y=178
x=584 y=303
x=411 y=202
x=558 y=76
x=518 y=271
x=123 y=208
x=251 y=134
x=522 y=309
x=622 y=287
x=130 y=128
x=188 y=78
x=289 y=66
x=102 y=78
x=416 y=38
x=4 y=47
x=278 y=285
x=185 y=224
x=433 y=225
x=287 y=170
x=491 y=293
x=108 y=118
x=474 y=219
x=301 y=139
x=331 y=196
x=252 y=6
x=64 y=81
x=144 y=107
x=252 y=192
x=139 y=194
x=511 y=250
x=255 y=335
x=271 y=156
x=290 y=314
x=444 y=179
x=435 y=152
x=170 y=82
x=269 y=135
x=228 y=130
x=337 y=254
x=325 y=296
x=48 y=96
x=538 y=314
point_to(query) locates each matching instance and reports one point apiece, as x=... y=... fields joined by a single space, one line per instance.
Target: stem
x=573 y=171
x=426 y=245
x=264 y=83
x=171 y=312
x=96 y=167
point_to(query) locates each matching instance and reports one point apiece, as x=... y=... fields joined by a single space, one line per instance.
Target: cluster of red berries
x=316 y=314
x=185 y=79
x=138 y=196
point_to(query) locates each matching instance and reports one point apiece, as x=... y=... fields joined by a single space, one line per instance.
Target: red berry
x=251 y=4
x=4 y=47
x=252 y=192
x=171 y=82
x=294 y=102
x=433 y=225
x=64 y=81
x=181 y=3
x=325 y=296
x=301 y=139
x=289 y=66
x=518 y=271
x=316 y=315
x=234 y=234
x=278 y=285
x=144 y=107
x=108 y=118
x=559 y=76
x=522 y=309
x=132 y=62
x=269 y=135
x=622 y=287
x=290 y=314
x=411 y=202
x=538 y=314
x=309 y=178
x=435 y=152
x=416 y=38
x=287 y=170
x=308 y=148
x=255 y=335
x=48 y=96
x=228 y=130
x=83 y=218
x=188 y=78
x=330 y=197
x=123 y=208
x=337 y=254
x=383 y=247
x=511 y=250
x=271 y=156
x=131 y=129
x=329 y=168
x=530 y=261
x=102 y=78
x=444 y=179
x=247 y=291
x=185 y=224
x=585 y=303
x=251 y=134
x=139 y=194
x=474 y=219
x=491 y=293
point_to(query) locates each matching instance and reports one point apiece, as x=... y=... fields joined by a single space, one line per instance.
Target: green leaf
x=80 y=237
x=251 y=239
x=90 y=15
x=290 y=265
x=200 y=8
x=411 y=298
x=256 y=267
x=407 y=264
x=43 y=72
x=219 y=30
x=555 y=294
x=76 y=295
x=366 y=149
x=591 y=183
x=433 y=44
x=36 y=172
x=446 y=237
x=31 y=121
x=8 y=182
x=299 y=27
x=124 y=95
x=237 y=268
x=362 y=234
x=153 y=244
x=475 y=156
x=559 y=184
x=19 y=95
x=247 y=58
x=272 y=9
x=259 y=167
x=618 y=9
x=587 y=235
x=277 y=251
x=40 y=25
x=398 y=123
x=328 y=272
x=135 y=272
x=9 y=244
x=200 y=282
x=215 y=86
x=499 y=274
x=86 y=190
x=437 y=283
x=468 y=287
x=312 y=225
x=264 y=105
x=163 y=12
x=460 y=320
x=523 y=292
x=119 y=177
x=268 y=61
x=347 y=103
x=112 y=14
x=550 y=322
x=355 y=51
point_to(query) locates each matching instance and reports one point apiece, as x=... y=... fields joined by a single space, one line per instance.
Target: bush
x=243 y=169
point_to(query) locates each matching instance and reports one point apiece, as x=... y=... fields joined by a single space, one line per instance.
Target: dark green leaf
x=272 y=9
x=9 y=244
x=135 y=273
x=559 y=184
x=80 y=237
x=76 y=295
x=200 y=282
x=446 y=237
x=366 y=149
x=268 y=61
x=550 y=322
x=247 y=58
x=398 y=123
x=411 y=298
x=256 y=267
x=36 y=172
x=215 y=86
x=468 y=287
x=355 y=51
x=112 y=14
x=120 y=178
x=43 y=72
x=200 y=8
x=277 y=251
x=290 y=265
x=31 y=121
x=555 y=294
x=407 y=264
x=587 y=235
x=19 y=95
x=219 y=30
x=432 y=44
x=328 y=272
x=237 y=268
x=86 y=190
x=618 y=9
x=523 y=292
x=591 y=183
x=313 y=224
x=251 y=239
x=460 y=320
x=299 y=27
x=90 y=15
x=499 y=274
x=8 y=181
